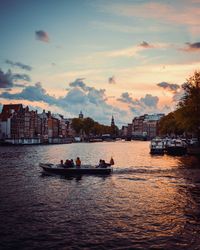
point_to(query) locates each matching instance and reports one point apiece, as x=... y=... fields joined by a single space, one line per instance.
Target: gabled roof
x=8 y=108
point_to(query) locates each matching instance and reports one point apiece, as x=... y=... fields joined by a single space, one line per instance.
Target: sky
x=103 y=57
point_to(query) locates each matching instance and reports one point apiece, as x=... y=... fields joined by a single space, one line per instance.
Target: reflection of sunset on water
x=147 y=202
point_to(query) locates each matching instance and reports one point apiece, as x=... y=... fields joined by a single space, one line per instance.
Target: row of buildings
x=19 y=125
x=142 y=127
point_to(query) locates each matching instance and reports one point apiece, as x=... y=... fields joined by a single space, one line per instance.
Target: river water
x=149 y=202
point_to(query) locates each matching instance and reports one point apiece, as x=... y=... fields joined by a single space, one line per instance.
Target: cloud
x=150 y=101
x=126 y=98
x=9 y=80
x=191 y=47
x=146 y=45
x=80 y=96
x=130 y=51
x=42 y=36
x=147 y=104
x=169 y=86
x=111 y=80
x=31 y=93
x=179 y=94
x=75 y=96
x=78 y=83
x=18 y=64
x=185 y=13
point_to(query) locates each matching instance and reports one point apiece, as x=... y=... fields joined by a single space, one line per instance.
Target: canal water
x=149 y=202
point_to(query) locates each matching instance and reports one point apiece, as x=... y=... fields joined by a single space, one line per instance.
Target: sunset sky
x=113 y=57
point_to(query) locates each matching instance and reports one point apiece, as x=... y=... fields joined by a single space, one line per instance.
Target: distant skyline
x=116 y=57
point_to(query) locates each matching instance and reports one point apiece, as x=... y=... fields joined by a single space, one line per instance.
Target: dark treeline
x=186 y=118
x=90 y=127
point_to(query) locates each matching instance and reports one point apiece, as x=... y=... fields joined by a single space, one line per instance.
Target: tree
x=88 y=124
x=169 y=125
x=77 y=125
x=188 y=112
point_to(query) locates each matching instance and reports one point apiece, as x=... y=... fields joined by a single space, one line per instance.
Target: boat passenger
x=100 y=163
x=72 y=163
x=67 y=163
x=112 y=161
x=78 y=162
x=61 y=163
x=104 y=164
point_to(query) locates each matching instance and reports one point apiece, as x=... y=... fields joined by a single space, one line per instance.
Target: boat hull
x=176 y=151
x=157 y=151
x=75 y=171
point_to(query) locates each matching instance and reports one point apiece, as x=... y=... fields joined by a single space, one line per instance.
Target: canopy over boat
x=84 y=169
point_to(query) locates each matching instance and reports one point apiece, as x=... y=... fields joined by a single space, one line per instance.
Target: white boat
x=84 y=169
x=157 y=146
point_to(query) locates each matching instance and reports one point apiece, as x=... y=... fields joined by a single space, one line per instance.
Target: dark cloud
x=78 y=83
x=31 y=93
x=42 y=36
x=126 y=98
x=146 y=45
x=9 y=80
x=18 y=64
x=192 y=47
x=24 y=77
x=149 y=100
x=140 y=106
x=169 y=86
x=112 y=80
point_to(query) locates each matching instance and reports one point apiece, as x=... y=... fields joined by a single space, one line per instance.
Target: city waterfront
x=148 y=201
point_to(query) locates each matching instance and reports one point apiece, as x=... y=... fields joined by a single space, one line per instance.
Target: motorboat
x=176 y=147
x=157 y=146
x=84 y=169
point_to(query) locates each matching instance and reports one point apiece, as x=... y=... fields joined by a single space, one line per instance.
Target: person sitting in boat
x=67 y=163
x=72 y=163
x=61 y=163
x=112 y=161
x=102 y=164
x=78 y=162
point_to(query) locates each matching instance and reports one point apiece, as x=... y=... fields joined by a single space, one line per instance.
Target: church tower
x=112 y=122
x=80 y=116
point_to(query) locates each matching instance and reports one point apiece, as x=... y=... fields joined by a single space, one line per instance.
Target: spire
x=80 y=115
x=112 y=121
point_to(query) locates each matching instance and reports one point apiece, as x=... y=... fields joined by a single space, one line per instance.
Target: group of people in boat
x=103 y=164
x=70 y=163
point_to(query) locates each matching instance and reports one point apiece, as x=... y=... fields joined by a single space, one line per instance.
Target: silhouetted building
x=80 y=115
x=112 y=121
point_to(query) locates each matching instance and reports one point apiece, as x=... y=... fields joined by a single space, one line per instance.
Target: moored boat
x=157 y=146
x=84 y=169
x=176 y=147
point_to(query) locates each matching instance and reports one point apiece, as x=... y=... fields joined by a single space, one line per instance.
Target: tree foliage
x=168 y=125
x=187 y=115
x=90 y=127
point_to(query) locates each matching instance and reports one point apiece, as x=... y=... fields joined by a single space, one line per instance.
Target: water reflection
x=148 y=202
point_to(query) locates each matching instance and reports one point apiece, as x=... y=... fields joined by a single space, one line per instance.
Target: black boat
x=84 y=169
x=176 y=147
